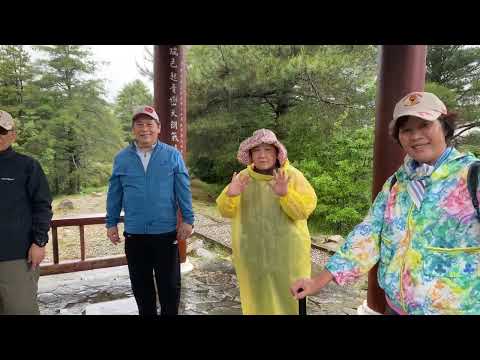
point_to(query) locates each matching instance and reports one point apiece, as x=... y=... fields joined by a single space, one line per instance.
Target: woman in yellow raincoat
x=269 y=203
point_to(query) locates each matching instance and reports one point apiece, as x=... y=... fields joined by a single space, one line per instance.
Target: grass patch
x=83 y=192
x=90 y=190
x=204 y=196
x=204 y=192
x=218 y=249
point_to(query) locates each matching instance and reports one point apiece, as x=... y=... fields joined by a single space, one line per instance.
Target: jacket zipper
x=409 y=237
x=144 y=178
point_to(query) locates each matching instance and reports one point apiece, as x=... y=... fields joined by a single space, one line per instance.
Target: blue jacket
x=149 y=198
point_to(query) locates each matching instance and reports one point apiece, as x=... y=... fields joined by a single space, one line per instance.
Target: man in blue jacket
x=150 y=182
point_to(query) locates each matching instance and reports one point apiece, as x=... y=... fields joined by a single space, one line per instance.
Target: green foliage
x=131 y=96
x=471 y=143
x=453 y=73
x=61 y=117
x=214 y=140
x=15 y=74
x=456 y=67
x=447 y=95
x=340 y=171
x=317 y=99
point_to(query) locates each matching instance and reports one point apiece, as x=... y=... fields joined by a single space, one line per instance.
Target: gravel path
x=333 y=299
x=211 y=288
x=219 y=230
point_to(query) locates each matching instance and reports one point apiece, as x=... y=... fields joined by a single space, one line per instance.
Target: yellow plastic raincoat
x=270 y=240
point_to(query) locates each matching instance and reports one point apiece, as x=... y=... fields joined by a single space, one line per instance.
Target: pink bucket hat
x=262 y=136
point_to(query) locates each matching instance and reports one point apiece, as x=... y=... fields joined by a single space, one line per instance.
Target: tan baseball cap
x=6 y=120
x=424 y=105
x=146 y=110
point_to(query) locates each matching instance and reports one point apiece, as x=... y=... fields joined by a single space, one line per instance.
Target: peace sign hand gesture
x=280 y=182
x=238 y=184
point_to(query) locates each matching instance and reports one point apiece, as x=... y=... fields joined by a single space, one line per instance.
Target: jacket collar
x=7 y=153
x=439 y=173
x=133 y=147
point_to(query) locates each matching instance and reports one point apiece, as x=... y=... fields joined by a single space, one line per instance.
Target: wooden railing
x=83 y=264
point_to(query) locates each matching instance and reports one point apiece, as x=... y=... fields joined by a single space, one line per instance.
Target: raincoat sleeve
x=361 y=250
x=300 y=200
x=227 y=205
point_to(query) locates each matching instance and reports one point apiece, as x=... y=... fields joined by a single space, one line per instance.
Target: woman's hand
x=307 y=287
x=238 y=184
x=280 y=182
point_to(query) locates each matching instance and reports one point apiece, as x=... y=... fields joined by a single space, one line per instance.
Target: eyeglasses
x=4 y=131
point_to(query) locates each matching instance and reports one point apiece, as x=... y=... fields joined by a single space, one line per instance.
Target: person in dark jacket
x=150 y=182
x=25 y=216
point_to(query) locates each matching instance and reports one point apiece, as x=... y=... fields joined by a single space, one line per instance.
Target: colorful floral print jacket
x=429 y=258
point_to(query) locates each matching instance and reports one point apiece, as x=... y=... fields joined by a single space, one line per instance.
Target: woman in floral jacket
x=422 y=229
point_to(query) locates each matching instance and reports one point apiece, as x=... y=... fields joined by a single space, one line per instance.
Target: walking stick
x=302 y=305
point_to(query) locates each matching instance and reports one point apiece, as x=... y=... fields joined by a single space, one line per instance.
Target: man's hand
x=36 y=254
x=280 y=182
x=238 y=184
x=112 y=234
x=184 y=231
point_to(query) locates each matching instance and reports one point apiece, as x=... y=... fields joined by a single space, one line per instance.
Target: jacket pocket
x=387 y=250
x=132 y=179
x=451 y=262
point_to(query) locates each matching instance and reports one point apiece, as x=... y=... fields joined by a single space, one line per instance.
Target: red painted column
x=170 y=101
x=402 y=69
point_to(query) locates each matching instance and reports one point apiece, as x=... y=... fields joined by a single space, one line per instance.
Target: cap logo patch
x=412 y=100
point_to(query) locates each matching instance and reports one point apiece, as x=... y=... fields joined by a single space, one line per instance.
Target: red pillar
x=170 y=101
x=402 y=69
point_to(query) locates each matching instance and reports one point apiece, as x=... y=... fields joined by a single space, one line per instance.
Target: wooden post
x=402 y=70
x=82 y=242
x=169 y=82
x=55 y=244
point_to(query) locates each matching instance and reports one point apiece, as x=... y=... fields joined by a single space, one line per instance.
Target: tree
x=340 y=170
x=20 y=96
x=15 y=72
x=147 y=68
x=132 y=95
x=294 y=90
x=454 y=72
x=456 y=67
x=278 y=77
x=81 y=128
x=65 y=69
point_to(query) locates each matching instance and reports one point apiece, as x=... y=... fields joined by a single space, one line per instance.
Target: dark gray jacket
x=25 y=205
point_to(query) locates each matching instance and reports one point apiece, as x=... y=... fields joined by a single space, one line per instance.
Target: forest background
x=318 y=99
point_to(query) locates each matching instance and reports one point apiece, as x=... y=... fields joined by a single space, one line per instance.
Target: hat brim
x=146 y=114
x=7 y=128
x=243 y=154
x=424 y=116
